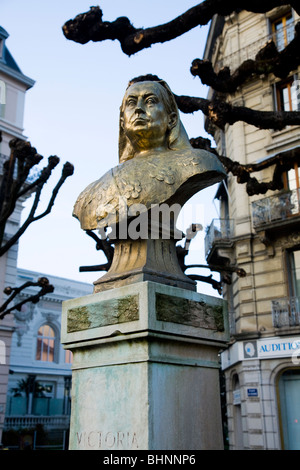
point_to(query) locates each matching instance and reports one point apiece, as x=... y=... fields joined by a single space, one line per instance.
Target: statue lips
x=140 y=121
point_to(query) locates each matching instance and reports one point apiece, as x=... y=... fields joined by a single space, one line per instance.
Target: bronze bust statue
x=157 y=166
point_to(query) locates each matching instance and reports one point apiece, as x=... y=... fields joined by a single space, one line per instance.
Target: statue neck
x=144 y=146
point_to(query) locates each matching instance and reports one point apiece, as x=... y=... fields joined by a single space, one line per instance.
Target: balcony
x=52 y=413
x=249 y=51
x=218 y=234
x=278 y=208
x=27 y=422
x=285 y=312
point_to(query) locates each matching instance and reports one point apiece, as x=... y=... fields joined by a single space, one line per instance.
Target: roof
x=8 y=64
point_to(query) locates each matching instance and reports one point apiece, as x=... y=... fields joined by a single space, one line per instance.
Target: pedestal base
x=144 y=260
x=145 y=369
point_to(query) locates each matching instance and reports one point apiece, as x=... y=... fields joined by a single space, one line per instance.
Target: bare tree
x=16 y=184
x=89 y=26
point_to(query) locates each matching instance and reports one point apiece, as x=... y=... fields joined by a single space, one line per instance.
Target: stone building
x=261 y=235
x=40 y=369
x=13 y=87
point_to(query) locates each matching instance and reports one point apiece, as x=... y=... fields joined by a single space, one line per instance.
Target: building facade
x=260 y=234
x=40 y=369
x=13 y=87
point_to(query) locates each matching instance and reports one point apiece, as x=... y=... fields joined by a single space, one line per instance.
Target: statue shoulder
x=192 y=161
x=94 y=195
x=205 y=158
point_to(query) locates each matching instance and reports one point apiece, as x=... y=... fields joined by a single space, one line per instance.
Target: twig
x=220 y=113
x=42 y=282
x=66 y=172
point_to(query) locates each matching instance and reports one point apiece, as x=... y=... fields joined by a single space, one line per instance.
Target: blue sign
x=252 y=392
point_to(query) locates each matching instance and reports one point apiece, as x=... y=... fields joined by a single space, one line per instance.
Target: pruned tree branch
x=45 y=288
x=283 y=162
x=220 y=113
x=218 y=268
x=225 y=270
x=102 y=245
x=268 y=60
x=89 y=26
x=13 y=186
x=15 y=172
x=209 y=280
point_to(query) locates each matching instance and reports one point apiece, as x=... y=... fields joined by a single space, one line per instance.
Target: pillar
x=145 y=368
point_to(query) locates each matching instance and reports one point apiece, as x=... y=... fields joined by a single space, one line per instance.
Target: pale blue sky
x=73 y=109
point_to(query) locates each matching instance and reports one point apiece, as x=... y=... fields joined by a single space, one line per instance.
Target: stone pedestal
x=144 y=260
x=145 y=368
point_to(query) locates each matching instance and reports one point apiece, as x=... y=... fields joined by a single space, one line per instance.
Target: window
x=45 y=344
x=2 y=98
x=286 y=95
x=294 y=272
x=291 y=178
x=291 y=183
x=283 y=31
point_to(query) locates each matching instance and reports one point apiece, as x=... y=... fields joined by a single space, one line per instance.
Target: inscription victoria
x=106 y=440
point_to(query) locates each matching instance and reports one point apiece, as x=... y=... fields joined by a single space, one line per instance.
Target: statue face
x=145 y=119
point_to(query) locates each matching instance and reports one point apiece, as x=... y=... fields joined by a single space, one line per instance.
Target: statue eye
x=131 y=102
x=151 y=100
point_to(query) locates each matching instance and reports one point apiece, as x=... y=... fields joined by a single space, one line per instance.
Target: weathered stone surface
x=107 y=312
x=139 y=354
x=188 y=312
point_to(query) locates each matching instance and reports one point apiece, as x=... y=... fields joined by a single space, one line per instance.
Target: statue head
x=149 y=119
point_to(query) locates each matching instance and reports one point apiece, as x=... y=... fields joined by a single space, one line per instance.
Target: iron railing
x=219 y=229
x=285 y=312
x=49 y=422
x=277 y=207
x=249 y=51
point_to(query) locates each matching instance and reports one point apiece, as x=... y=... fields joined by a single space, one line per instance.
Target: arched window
x=45 y=344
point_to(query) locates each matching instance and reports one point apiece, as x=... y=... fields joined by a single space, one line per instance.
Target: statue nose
x=140 y=108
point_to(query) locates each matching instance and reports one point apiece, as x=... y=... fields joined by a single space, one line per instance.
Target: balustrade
x=277 y=207
x=285 y=312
